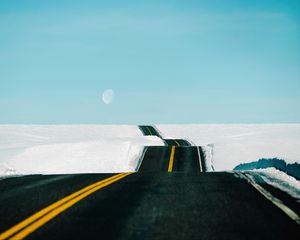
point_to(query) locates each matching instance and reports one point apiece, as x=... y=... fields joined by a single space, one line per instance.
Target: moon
x=108 y=96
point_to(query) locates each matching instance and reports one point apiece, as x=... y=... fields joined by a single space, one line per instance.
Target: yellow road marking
x=32 y=223
x=176 y=142
x=171 y=159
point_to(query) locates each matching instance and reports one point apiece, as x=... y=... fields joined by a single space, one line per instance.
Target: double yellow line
x=32 y=223
x=171 y=159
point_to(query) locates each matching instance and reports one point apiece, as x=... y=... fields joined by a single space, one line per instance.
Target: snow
x=208 y=151
x=53 y=149
x=58 y=149
x=279 y=180
x=232 y=144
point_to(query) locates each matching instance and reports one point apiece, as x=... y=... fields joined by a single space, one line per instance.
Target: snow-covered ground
x=232 y=144
x=46 y=149
x=277 y=179
x=53 y=149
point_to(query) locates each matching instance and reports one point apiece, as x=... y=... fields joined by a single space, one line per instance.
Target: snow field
x=58 y=149
x=228 y=145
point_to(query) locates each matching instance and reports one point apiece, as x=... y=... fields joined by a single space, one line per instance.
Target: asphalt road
x=177 y=142
x=148 y=130
x=171 y=197
x=177 y=156
x=158 y=159
x=148 y=205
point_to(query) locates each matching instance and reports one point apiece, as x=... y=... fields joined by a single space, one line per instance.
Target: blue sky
x=167 y=61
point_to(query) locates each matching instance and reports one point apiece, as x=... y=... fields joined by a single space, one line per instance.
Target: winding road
x=170 y=197
x=178 y=155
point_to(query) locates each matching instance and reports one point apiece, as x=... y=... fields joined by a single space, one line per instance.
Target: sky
x=174 y=61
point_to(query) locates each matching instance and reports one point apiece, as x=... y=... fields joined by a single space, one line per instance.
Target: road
x=177 y=156
x=179 y=204
x=171 y=159
x=151 y=131
x=148 y=206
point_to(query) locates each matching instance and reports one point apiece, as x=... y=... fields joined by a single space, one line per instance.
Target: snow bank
x=241 y=143
x=55 y=149
x=32 y=149
x=278 y=179
x=208 y=152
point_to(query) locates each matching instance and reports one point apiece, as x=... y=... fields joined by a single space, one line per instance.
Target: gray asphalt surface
x=158 y=158
x=187 y=158
x=148 y=206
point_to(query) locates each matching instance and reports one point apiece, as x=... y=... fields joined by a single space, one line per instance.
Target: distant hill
x=290 y=169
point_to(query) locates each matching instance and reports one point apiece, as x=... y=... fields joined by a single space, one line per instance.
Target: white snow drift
x=54 y=149
x=231 y=144
x=278 y=179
